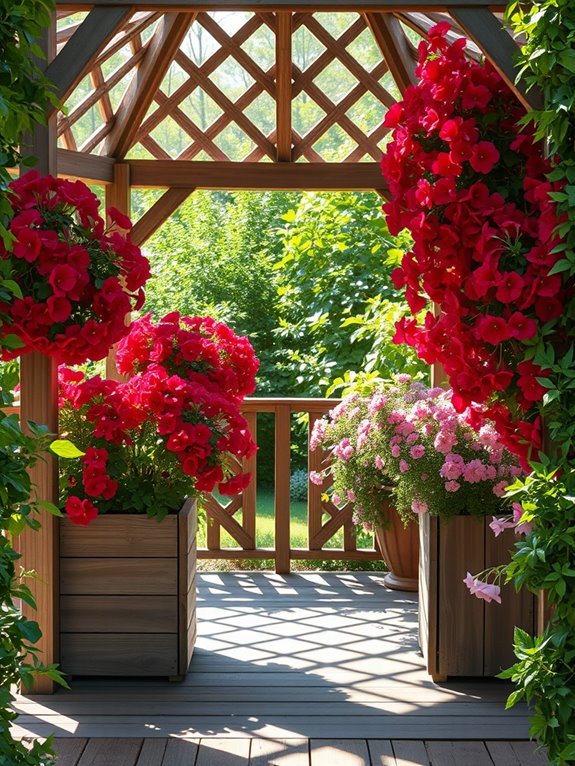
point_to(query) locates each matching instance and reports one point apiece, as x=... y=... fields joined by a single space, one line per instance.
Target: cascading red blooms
x=194 y=421
x=196 y=348
x=78 y=279
x=472 y=191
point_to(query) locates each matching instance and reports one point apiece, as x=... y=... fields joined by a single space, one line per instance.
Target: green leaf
x=64 y=448
x=50 y=508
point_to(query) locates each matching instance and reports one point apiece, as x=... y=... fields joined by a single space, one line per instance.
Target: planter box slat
x=461 y=616
x=121 y=536
x=102 y=654
x=118 y=614
x=118 y=577
x=459 y=634
x=515 y=608
x=129 y=614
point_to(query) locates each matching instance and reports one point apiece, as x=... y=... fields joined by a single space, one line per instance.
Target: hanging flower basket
x=76 y=278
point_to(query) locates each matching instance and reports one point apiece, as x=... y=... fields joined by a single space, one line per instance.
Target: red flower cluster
x=472 y=191
x=155 y=438
x=77 y=279
x=197 y=348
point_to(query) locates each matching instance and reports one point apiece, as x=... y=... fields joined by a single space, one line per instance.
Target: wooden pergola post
x=39 y=403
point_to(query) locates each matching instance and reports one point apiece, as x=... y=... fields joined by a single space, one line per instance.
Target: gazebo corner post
x=39 y=404
x=118 y=195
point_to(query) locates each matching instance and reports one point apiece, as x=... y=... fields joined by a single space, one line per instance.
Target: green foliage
x=25 y=94
x=298 y=485
x=334 y=274
x=18 y=656
x=545 y=671
x=215 y=256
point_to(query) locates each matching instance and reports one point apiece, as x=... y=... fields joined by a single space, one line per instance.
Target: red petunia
x=80 y=512
x=493 y=329
x=484 y=155
x=521 y=327
x=509 y=287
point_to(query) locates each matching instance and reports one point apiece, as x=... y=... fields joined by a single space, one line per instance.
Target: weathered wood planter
x=459 y=634
x=128 y=595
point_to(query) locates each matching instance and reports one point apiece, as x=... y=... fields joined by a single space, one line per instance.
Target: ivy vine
x=25 y=96
x=545 y=561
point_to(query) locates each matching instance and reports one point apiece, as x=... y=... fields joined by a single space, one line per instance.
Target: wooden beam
x=292 y=5
x=395 y=48
x=284 y=28
x=39 y=404
x=160 y=211
x=74 y=60
x=284 y=176
x=137 y=99
x=486 y=31
x=118 y=195
x=88 y=167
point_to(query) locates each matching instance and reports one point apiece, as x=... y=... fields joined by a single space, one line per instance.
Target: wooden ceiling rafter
x=160 y=211
x=65 y=122
x=394 y=46
x=126 y=35
x=74 y=60
x=358 y=6
x=486 y=30
x=160 y=51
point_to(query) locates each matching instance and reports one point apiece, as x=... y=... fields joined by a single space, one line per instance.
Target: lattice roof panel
x=244 y=85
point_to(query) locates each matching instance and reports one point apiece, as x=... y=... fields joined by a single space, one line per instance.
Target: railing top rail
x=295 y=404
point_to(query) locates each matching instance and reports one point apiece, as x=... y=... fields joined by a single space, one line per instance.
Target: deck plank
x=69 y=750
x=457 y=753
x=528 y=754
x=152 y=752
x=410 y=753
x=109 y=751
x=279 y=752
x=381 y=752
x=180 y=753
x=343 y=752
x=223 y=752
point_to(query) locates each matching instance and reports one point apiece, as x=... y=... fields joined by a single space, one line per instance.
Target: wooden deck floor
x=296 y=752
x=320 y=656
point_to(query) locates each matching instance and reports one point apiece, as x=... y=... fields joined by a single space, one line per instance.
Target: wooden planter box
x=128 y=595
x=459 y=634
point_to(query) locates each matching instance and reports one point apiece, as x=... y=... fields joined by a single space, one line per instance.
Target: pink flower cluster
x=436 y=450
x=483 y=590
x=78 y=280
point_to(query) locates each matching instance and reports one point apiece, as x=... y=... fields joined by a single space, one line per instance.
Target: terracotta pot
x=399 y=546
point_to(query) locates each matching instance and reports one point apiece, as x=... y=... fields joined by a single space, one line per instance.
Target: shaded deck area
x=295 y=664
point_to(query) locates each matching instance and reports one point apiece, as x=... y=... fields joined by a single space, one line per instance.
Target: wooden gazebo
x=112 y=61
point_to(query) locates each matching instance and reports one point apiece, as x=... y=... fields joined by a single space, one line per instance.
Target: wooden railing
x=320 y=531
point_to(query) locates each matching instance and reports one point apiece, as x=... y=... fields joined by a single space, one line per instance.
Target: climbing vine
x=24 y=98
x=545 y=671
